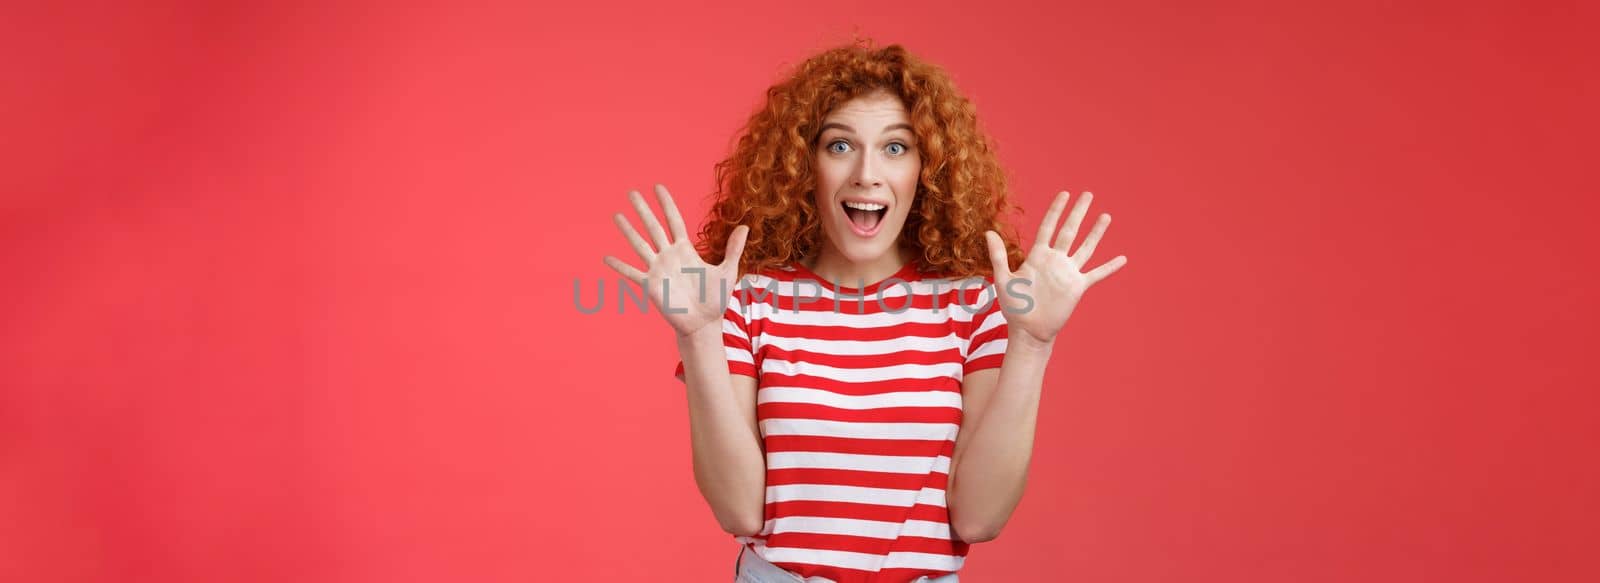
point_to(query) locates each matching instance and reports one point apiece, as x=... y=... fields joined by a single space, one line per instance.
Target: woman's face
x=867 y=166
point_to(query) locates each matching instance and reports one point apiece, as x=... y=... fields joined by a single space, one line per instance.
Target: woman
x=845 y=430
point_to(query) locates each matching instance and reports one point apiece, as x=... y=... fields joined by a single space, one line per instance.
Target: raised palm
x=1055 y=280
x=690 y=293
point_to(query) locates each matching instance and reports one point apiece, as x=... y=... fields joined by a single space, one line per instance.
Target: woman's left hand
x=1053 y=278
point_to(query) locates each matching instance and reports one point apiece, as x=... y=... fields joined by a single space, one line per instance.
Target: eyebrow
x=898 y=126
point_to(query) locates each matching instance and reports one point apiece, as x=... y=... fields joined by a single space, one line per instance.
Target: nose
x=866 y=174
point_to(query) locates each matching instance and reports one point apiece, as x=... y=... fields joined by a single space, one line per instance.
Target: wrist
x=710 y=333
x=1020 y=340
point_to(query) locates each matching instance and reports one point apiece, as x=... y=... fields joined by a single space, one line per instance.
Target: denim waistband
x=751 y=568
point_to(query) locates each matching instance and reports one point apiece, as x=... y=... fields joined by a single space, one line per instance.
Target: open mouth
x=865 y=217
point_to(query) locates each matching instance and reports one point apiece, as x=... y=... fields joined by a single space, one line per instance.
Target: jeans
x=751 y=568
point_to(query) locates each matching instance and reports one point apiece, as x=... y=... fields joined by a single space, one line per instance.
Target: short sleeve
x=986 y=347
x=735 y=341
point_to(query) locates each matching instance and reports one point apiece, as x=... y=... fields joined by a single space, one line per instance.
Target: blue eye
x=837 y=143
x=902 y=148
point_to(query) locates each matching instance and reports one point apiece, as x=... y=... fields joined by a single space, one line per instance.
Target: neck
x=843 y=272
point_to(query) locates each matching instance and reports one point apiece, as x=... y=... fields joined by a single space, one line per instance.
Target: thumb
x=735 y=248
x=997 y=257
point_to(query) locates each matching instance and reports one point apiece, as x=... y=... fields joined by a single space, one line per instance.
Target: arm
x=989 y=469
x=729 y=466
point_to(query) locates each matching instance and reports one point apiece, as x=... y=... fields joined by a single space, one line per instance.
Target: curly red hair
x=767 y=182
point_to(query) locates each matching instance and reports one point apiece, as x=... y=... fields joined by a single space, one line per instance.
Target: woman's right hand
x=682 y=286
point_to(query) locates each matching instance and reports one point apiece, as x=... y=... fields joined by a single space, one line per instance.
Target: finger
x=997 y=257
x=639 y=246
x=625 y=270
x=1069 y=231
x=1051 y=217
x=1106 y=269
x=649 y=218
x=1086 y=250
x=670 y=209
x=735 y=249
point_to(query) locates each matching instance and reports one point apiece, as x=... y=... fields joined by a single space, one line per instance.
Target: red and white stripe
x=859 y=408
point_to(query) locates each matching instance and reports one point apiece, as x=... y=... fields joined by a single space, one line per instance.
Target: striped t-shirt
x=859 y=403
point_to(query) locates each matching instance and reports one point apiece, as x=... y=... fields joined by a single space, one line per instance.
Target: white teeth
x=864 y=206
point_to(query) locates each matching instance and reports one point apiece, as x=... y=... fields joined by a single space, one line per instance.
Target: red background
x=288 y=290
